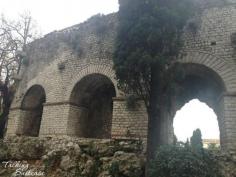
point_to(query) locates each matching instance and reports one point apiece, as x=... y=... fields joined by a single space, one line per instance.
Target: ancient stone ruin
x=68 y=86
x=68 y=91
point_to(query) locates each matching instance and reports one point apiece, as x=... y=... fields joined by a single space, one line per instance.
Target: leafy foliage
x=98 y=25
x=213 y=147
x=183 y=161
x=74 y=40
x=193 y=26
x=148 y=41
x=114 y=169
x=131 y=101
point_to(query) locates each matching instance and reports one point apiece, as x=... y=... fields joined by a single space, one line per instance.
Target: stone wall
x=69 y=157
x=75 y=124
x=129 y=123
x=61 y=59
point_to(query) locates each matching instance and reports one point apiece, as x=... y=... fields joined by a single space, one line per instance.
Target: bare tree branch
x=14 y=37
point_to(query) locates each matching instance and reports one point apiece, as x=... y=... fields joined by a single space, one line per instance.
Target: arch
x=32 y=110
x=220 y=66
x=203 y=83
x=196 y=115
x=92 y=69
x=90 y=114
x=200 y=82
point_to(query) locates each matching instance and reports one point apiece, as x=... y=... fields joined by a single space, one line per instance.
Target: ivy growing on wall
x=100 y=24
x=96 y=25
x=74 y=40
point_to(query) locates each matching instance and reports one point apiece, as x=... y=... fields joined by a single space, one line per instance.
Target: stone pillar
x=14 y=122
x=54 y=119
x=77 y=121
x=129 y=123
x=19 y=123
x=228 y=122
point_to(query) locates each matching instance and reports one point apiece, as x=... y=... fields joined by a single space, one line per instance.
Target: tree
x=196 y=140
x=14 y=36
x=147 y=45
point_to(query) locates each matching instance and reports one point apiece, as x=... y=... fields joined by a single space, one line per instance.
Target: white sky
x=53 y=15
x=193 y=115
x=58 y=14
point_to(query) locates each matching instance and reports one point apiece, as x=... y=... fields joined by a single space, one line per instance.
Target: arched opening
x=91 y=107
x=202 y=83
x=32 y=110
x=194 y=115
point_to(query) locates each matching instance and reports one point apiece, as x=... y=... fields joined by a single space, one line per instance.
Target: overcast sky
x=53 y=15
x=193 y=115
x=58 y=14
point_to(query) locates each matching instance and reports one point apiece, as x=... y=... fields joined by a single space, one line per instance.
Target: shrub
x=183 y=161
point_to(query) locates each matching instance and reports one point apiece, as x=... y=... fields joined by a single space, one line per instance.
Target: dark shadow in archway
x=32 y=110
x=91 y=107
x=195 y=82
x=200 y=82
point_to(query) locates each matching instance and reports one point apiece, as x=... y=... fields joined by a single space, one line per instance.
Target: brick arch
x=92 y=69
x=40 y=83
x=29 y=89
x=32 y=110
x=225 y=71
x=18 y=98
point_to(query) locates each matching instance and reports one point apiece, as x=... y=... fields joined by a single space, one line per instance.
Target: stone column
x=127 y=122
x=14 y=122
x=54 y=119
x=19 y=123
x=227 y=123
x=77 y=121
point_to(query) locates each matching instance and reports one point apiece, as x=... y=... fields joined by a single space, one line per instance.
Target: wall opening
x=194 y=115
x=201 y=90
x=32 y=110
x=193 y=81
x=91 y=107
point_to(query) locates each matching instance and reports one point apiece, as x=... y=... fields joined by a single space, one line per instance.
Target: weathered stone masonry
x=57 y=68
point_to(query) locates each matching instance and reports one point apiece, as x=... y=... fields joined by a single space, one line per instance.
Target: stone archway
x=196 y=115
x=200 y=82
x=32 y=110
x=90 y=114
